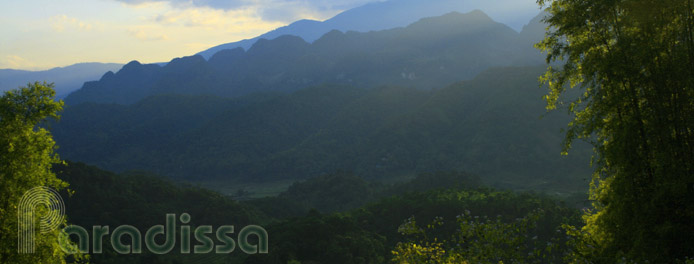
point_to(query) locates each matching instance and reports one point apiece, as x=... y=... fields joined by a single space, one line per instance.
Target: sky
x=42 y=34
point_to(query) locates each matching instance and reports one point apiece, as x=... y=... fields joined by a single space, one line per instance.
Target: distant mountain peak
x=227 y=55
x=305 y=22
x=456 y=18
x=187 y=60
x=133 y=63
x=107 y=76
x=534 y=31
x=373 y=16
x=279 y=44
x=428 y=53
x=130 y=66
x=474 y=13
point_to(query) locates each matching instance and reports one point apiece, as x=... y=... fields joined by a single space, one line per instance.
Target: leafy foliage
x=633 y=61
x=362 y=233
x=481 y=240
x=27 y=154
x=366 y=234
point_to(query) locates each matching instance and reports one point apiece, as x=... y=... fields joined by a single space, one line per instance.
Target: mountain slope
x=489 y=126
x=432 y=52
x=370 y=17
x=66 y=79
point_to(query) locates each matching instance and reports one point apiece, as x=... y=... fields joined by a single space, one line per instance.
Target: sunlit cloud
x=193 y=29
x=18 y=62
x=14 y=61
x=143 y=34
x=267 y=10
x=212 y=18
x=290 y=11
x=215 y=4
x=62 y=22
x=145 y=4
x=198 y=45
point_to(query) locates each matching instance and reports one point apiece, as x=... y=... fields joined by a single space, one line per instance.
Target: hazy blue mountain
x=66 y=79
x=304 y=28
x=489 y=126
x=532 y=33
x=494 y=125
x=429 y=53
x=378 y=103
x=370 y=17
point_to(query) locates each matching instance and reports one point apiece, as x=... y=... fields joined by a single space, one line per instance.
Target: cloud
x=215 y=4
x=16 y=62
x=270 y=10
x=240 y=21
x=61 y=22
x=199 y=17
x=289 y=11
x=142 y=34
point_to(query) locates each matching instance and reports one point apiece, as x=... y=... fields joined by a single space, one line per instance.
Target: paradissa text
x=202 y=234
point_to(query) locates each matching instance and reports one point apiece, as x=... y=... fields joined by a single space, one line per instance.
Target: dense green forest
x=335 y=218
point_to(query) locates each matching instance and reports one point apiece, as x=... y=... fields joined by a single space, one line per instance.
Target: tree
x=481 y=239
x=26 y=157
x=633 y=61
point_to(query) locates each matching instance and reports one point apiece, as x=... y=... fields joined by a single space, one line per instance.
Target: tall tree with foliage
x=634 y=63
x=26 y=157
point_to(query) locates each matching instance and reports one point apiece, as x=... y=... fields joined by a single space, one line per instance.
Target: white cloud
x=193 y=29
x=290 y=11
x=62 y=22
x=18 y=62
x=239 y=22
x=15 y=62
x=142 y=33
x=268 y=10
x=215 y=4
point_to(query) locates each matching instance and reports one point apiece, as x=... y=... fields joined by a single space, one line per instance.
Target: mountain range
x=491 y=126
x=454 y=92
x=370 y=17
x=66 y=79
x=429 y=53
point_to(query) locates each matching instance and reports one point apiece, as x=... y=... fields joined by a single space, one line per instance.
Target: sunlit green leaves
x=634 y=61
x=26 y=155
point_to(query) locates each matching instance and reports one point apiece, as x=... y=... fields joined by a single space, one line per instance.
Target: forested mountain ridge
x=286 y=109
x=430 y=53
x=490 y=126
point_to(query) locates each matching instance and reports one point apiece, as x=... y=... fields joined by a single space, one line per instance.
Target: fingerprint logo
x=50 y=216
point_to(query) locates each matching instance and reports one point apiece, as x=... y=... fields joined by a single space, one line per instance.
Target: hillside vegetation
x=494 y=126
